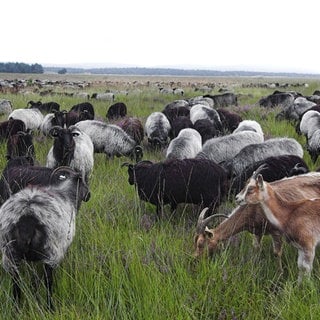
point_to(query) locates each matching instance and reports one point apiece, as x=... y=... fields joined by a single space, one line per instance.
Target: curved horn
x=259 y=169
x=62 y=168
x=203 y=222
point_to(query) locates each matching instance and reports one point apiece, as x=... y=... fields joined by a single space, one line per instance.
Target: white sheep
x=249 y=125
x=186 y=145
x=31 y=117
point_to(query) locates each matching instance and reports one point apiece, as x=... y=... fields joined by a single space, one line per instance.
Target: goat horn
x=259 y=169
x=203 y=222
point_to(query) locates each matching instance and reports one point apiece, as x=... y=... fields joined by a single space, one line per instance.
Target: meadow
x=125 y=265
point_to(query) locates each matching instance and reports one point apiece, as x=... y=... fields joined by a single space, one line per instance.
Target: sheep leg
x=48 y=277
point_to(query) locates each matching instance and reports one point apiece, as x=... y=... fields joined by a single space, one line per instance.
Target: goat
x=174 y=181
x=186 y=145
x=298 y=220
x=110 y=139
x=251 y=218
x=157 y=129
x=38 y=224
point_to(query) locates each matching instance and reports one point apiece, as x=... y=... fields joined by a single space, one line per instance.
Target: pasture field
x=125 y=265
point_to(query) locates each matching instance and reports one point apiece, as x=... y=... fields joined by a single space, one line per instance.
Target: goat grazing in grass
x=250 y=217
x=298 y=220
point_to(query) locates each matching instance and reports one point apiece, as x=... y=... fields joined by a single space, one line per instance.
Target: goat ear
x=259 y=181
x=208 y=232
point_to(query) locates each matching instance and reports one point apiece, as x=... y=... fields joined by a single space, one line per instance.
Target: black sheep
x=206 y=129
x=45 y=107
x=274 y=168
x=20 y=144
x=117 y=110
x=179 y=123
x=133 y=127
x=11 y=127
x=197 y=181
x=230 y=120
x=84 y=107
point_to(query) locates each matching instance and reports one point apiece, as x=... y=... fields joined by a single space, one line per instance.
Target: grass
x=124 y=265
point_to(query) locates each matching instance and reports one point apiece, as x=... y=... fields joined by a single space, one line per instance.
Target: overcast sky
x=273 y=35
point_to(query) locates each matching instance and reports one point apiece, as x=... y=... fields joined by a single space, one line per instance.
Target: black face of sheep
x=63 y=146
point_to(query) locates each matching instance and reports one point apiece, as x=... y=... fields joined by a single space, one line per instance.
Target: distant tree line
x=20 y=67
x=172 y=72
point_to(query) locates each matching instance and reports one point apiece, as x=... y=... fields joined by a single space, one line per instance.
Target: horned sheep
x=198 y=181
x=38 y=225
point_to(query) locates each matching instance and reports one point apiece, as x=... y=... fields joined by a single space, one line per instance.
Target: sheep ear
x=259 y=181
x=208 y=232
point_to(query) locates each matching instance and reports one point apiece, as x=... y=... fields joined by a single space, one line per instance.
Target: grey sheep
x=37 y=224
x=110 y=139
x=186 y=145
x=221 y=149
x=260 y=151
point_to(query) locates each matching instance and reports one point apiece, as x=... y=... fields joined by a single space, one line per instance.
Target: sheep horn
x=203 y=222
x=62 y=168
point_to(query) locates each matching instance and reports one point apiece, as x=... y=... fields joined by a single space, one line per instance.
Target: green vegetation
x=123 y=265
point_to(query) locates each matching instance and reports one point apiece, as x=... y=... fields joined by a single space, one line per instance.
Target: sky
x=248 y=35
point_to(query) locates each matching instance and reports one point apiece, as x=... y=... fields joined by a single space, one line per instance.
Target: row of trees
x=19 y=67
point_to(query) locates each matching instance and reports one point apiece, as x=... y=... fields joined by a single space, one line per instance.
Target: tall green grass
x=123 y=264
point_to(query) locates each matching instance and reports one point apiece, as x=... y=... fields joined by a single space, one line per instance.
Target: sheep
x=20 y=144
x=5 y=106
x=198 y=181
x=278 y=98
x=201 y=100
x=251 y=218
x=176 y=109
x=44 y=107
x=157 y=128
x=11 y=127
x=249 y=125
x=74 y=148
x=200 y=111
x=206 y=129
x=298 y=220
x=51 y=120
x=110 y=139
x=223 y=100
x=222 y=149
x=230 y=120
x=38 y=225
x=186 y=145
x=133 y=127
x=84 y=107
x=310 y=122
x=260 y=151
x=179 y=123
x=20 y=172
x=304 y=115
x=107 y=96
x=116 y=110
x=274 y=168
x=294 y=110
x=31 y=117
x=313 y=145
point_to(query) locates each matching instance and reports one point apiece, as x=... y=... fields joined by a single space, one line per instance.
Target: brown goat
x=298 y=220
x=251 y=218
